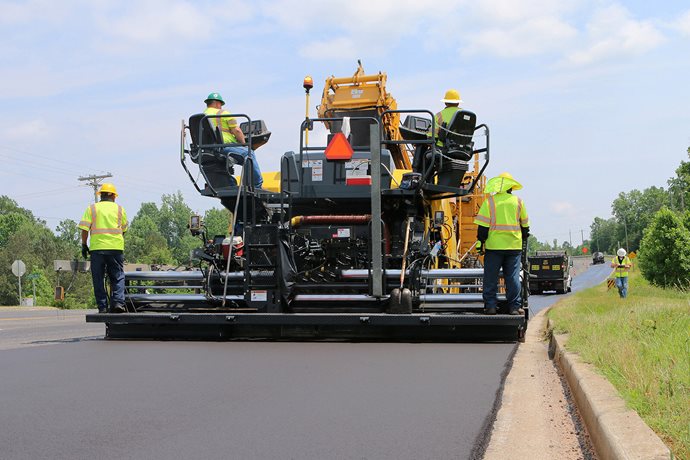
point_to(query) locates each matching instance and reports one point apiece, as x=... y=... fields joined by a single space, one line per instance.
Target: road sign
x=632 y=255
x=33 y=276
x=585 y=250
x=18 y=268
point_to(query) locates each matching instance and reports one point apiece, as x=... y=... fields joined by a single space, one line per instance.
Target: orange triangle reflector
x=339 y=148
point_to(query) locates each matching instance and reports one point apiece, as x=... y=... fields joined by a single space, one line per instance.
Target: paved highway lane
x=22 y=327
x=84 y=397
x=247 y=400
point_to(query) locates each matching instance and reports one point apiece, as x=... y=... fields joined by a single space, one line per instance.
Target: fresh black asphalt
x=249 y=400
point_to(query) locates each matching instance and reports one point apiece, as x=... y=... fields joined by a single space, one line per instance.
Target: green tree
x=664 y=256
x=174 y=226
x=633 y=212
x=679 y=186
x=69 y=235
x=145 y=244
x=217 y=222
x=603 y=235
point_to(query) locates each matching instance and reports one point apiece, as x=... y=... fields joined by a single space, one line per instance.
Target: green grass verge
x=642 y=346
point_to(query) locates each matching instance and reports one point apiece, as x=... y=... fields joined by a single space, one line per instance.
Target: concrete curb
x=617 y=433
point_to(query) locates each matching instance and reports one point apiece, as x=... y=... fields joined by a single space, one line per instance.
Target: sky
x=584 y=98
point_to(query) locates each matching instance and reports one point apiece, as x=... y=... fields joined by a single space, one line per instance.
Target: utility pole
x=94 y=181
x=582 y=234
x=625 y=225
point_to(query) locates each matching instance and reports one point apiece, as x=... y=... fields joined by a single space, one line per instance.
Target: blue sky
x=584 y=98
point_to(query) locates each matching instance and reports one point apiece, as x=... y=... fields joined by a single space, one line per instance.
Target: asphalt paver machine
x=345 y=241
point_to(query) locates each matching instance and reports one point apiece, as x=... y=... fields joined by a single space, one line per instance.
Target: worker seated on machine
x=232 y=134
x=454 y=131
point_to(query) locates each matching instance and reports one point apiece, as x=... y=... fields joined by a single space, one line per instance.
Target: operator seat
x=207 y=151
x=452 y=163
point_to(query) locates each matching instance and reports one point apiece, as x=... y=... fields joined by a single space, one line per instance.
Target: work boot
x=102 y=310
x=118 y=309
x=518 y=311
x=490 y=311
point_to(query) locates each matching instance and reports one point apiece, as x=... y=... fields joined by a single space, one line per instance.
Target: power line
x=94 y=180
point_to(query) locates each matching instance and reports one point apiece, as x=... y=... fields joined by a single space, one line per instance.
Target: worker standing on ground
x=502 y=226
x=106 y=221
x=232 y=134
x=622 y=264
x=443 y=118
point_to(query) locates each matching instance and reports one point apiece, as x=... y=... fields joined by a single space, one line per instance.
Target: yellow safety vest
x=107 y=222
x=504 y=214
x=226 y=124
x=444 y=116
x=621 y=272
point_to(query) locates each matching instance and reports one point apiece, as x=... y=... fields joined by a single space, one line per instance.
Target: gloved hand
x=84 y=250
x=480 y=247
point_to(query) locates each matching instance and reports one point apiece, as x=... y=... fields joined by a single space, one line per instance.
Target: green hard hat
x=214 y=97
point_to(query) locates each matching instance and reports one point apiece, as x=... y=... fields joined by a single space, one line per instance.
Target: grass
x=642 y=346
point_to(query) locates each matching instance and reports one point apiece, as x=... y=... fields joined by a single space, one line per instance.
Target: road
x=78 y=396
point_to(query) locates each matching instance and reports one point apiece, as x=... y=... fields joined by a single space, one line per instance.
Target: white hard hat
x=621 y=252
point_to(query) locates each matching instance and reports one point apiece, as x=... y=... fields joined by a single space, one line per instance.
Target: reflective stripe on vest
x=218 y=122
x=107 y=226
x=501 y=213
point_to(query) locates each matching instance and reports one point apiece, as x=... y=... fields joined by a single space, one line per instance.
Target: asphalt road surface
x=77 y=396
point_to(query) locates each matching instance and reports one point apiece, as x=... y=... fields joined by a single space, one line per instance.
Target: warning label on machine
x=316 y=169
x=259 y=296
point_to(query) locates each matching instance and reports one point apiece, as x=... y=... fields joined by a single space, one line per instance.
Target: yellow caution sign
x=632 y=255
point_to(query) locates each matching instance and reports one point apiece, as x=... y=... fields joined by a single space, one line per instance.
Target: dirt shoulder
x=537 y=419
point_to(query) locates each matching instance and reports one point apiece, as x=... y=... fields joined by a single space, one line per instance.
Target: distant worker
x=232 y=134
x=502 y=227
x=443 y=118
x=106 y=221
x=621 y=262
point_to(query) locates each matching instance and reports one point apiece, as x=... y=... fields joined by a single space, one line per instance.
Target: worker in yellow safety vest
x=502 y=226
x=622 y=265
x=452 y=101
x=232 y=134
x=106 y=221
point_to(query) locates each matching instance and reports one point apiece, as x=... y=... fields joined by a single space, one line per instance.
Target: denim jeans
x=112 y=263
x=511 y=264
x=622 y=285
x=256 y=172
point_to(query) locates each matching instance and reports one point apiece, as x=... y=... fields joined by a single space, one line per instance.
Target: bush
x=665 y=251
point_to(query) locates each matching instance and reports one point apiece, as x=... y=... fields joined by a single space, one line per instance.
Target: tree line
x=655 y=223
x=158 y=234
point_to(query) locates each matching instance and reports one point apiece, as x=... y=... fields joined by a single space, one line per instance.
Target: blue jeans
x=256 y=172
x=622 y=285
x=112 y=263
x=511 y=264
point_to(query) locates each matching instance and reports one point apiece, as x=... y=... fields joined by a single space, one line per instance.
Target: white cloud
x=613 y=33
x=156 y=21
x=530 y=37
x=562 y=207
x=683 y=23
x=339 y=48
x=36 y=130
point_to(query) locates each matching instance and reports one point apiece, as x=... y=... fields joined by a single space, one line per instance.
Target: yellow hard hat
x=452 y=97
x=502 y=183
x=107 y=188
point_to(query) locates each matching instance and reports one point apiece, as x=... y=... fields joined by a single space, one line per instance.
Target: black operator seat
x=208 y=140
x=457 y=136
x=206 y=149
x=260 y=134
x=415 y=128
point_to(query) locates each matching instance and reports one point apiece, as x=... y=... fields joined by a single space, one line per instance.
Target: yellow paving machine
x=347 y=240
